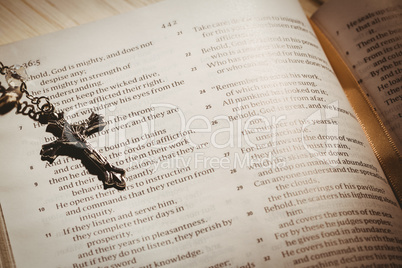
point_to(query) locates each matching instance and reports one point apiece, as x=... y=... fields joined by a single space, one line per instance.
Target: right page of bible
x=368 y=35
x=240 y=146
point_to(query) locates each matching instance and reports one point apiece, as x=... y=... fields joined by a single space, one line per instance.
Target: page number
x=169 y=24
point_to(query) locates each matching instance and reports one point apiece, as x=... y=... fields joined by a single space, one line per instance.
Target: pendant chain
x=44 y=108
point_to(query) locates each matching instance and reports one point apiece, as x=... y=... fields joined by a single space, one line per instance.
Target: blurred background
x=22 y=19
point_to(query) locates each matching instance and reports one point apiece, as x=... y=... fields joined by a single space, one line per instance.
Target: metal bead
x=15 y=75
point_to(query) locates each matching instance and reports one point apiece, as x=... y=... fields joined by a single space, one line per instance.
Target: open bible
x=251 y=136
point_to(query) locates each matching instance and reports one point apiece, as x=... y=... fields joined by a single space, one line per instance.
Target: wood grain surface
x=22 y=19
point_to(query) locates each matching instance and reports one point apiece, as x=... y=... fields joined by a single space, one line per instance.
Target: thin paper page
x=368 y=36
x=239 y=145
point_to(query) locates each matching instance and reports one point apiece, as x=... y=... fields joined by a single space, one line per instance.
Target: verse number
x=31 y=63
x=169 y=24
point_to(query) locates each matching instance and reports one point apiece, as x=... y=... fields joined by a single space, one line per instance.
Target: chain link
x=40 y=107
x=3 y=68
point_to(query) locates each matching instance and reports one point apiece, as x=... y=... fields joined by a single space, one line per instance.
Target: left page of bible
x=166 y=78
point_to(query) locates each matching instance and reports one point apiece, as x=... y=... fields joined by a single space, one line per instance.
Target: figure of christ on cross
x=72 y=142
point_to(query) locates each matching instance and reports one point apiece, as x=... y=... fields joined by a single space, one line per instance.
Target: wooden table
x=21 y=19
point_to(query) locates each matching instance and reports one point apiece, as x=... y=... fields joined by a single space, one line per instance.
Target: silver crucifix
x=72 y=142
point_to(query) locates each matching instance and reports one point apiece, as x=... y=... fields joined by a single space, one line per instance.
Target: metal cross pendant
x=72 y=142
x=71 y=137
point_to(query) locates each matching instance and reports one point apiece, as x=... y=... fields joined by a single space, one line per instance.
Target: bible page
x=368 y=35
x=239 y=145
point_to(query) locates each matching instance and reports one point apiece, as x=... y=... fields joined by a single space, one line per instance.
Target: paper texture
x=240 y=146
